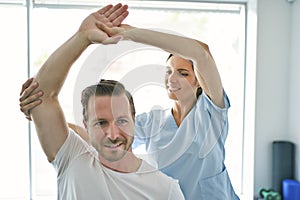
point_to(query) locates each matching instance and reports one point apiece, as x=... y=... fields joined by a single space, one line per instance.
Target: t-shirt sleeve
x=175 y=192
x=72 y=147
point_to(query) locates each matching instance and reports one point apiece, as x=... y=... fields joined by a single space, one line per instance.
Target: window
x=220 y=25
x=14 y=145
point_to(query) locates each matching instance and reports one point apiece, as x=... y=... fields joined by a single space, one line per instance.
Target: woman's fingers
x=26 y=85
x=27 y=88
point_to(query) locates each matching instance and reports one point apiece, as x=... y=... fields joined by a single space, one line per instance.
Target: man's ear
x=85 y=124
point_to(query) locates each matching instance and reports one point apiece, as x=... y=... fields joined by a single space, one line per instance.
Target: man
x=106 y=168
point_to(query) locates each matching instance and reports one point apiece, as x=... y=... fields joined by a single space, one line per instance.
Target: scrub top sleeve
x=141 y=122
x=210 y=105
x=214 y=122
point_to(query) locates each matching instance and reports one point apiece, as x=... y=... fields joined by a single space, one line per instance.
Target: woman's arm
x=204 y=65
x=80 y=131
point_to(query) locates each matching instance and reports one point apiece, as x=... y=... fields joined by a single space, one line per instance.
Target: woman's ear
x=197 y=82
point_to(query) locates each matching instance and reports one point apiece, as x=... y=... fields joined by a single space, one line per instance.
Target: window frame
x=250 y=71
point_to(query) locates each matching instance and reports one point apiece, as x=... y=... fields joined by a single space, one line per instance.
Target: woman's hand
x=110 y=16
x=29 y=98
x=116 y=31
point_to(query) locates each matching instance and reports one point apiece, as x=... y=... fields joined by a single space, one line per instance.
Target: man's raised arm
x=49 y=118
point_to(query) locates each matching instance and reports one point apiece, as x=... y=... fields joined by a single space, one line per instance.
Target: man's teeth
x=115 y=146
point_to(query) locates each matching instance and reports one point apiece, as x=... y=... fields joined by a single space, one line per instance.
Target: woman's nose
x=172 y=77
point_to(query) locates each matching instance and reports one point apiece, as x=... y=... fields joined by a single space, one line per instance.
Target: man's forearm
x=54 y=71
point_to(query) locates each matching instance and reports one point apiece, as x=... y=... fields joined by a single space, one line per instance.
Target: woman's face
x=180 y=79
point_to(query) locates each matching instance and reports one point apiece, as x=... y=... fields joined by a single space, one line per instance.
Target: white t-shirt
x=81 y=176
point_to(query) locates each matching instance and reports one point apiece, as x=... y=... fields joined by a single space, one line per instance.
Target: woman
x=186 y=141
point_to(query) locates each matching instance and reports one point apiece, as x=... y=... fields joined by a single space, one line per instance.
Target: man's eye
x=100 y=123
x=122 y=121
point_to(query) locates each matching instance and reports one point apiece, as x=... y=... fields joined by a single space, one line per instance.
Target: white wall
x=277 y=97
x=294 y=102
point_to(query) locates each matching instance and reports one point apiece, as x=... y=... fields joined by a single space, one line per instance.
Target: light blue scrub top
x=192 y=153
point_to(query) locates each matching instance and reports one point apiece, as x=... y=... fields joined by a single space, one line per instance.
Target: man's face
x=110 y=126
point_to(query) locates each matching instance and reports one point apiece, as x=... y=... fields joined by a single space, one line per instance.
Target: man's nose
x=113 y=131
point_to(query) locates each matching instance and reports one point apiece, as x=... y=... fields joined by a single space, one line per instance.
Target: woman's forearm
x=185 y=47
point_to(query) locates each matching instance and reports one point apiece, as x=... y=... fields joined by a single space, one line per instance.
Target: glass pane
x=10 y=2
x=49 y=29
x=222 y=30
x=14 y=171
x=65 y=1
x=97 y=2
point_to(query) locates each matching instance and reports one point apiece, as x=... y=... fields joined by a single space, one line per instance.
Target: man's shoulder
x=148 y=168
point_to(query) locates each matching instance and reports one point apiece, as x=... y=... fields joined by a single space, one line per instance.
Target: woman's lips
x=173 y=89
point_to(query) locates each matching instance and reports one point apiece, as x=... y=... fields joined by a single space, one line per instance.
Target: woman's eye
x=184 y=74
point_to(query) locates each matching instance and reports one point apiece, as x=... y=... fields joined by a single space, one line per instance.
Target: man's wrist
x=82 y=39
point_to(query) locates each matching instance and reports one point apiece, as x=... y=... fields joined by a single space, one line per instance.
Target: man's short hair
x=105 y=88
